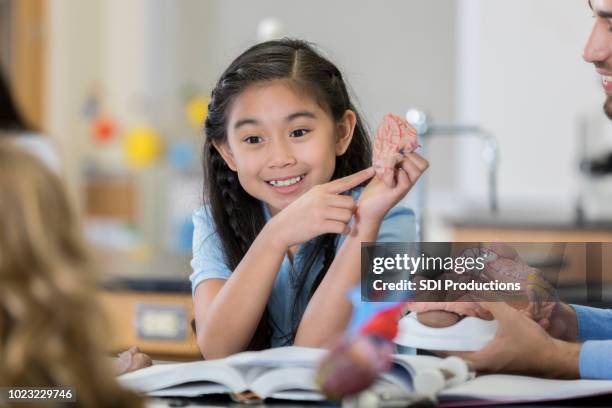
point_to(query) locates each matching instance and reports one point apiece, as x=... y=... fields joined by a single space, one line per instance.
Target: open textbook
x=289 y=373
x=282 y=373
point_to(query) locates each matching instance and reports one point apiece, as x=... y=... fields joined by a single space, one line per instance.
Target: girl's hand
x=131 y=360
x=378 y=197
x=321 y=210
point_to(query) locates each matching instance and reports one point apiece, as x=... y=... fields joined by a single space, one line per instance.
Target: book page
x=191 y=390
x=158 y=377
x=235 y=372
x=285 y=379
x=501 y=387
x=288 y=371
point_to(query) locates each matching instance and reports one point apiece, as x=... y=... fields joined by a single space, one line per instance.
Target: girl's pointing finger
x=346 y=183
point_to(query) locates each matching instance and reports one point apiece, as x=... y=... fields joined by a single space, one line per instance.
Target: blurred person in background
x=11 y=121
x=52 y=332
x=13 y=125
x=14 y=128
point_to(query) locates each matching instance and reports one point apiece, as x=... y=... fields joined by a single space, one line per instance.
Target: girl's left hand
x=378 y=198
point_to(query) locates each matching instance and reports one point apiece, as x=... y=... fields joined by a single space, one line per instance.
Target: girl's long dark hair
x=238 y=217
x=10 y=118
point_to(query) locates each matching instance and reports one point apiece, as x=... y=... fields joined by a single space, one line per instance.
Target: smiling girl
x=277 y=243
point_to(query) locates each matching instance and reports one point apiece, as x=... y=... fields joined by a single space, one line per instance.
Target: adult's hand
x=562 y=323
x=521 y=346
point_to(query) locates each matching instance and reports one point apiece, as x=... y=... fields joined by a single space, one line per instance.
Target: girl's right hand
x=321 y=210
x=131 y=360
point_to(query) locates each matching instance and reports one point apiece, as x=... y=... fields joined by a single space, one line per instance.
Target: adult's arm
x=596 y=360
x=595 y=329
x=593 y=323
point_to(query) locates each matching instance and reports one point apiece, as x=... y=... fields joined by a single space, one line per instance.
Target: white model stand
x=468 y=334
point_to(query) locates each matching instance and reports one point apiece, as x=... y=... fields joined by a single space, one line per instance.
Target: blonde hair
x=51 y=328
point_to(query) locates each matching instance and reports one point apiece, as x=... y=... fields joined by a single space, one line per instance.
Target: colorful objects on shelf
x=103 y=129
x=196 y=111
x=92 y=104
x=142 y=146
x=181 y=155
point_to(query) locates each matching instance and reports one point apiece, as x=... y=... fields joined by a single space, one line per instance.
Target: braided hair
x=238 y=217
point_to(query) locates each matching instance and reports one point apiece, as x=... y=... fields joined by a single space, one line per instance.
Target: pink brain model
x=394 y=138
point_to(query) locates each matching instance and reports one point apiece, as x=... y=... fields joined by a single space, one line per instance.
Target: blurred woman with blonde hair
x=52 y=332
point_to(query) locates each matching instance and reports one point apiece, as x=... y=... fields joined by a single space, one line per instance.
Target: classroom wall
x=522 y=77
x=513 y=67
x=74 y=59
x=395 y=54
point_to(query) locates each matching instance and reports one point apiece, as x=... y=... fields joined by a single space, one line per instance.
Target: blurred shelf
x=586 y=274
x=158 y=323
x=145 y=269
x=529 y=222
x=146 y=295
x=527 y=227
